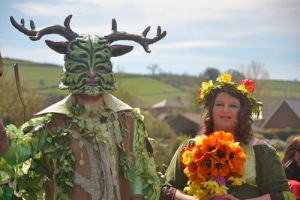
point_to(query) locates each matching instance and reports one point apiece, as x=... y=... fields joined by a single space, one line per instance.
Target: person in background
x=291 y=165
x=230 y=107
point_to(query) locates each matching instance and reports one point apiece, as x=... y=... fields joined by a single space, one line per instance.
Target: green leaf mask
x=87 y=68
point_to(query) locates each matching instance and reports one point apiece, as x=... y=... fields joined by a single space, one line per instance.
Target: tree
x=211 y=73
x=255 y=71
x=153 y=68
x=236 y=75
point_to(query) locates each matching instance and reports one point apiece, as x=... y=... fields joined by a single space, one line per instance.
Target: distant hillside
x=37 y=75
x=46 y=78
x=25 y=63
x=150 y=89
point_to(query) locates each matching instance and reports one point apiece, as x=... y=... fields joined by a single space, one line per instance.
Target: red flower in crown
x=249 y=84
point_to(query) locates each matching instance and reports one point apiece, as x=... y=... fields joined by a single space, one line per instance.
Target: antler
x=141 y=39
x=34 y=34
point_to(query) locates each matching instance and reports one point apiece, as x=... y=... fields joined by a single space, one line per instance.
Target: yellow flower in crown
x=243 y=89
x=225 y=78
x=206 y=87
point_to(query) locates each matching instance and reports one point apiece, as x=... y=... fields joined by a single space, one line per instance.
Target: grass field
x=151 y=91
x=36 y=76
x=279 y=89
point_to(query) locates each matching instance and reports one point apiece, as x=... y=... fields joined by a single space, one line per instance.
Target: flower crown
x=246 y=87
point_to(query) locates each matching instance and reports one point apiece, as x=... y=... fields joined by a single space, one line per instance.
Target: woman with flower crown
x=230 y=107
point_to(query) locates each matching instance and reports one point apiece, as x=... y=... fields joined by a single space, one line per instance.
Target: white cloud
x=270 y=16
x=214 y=25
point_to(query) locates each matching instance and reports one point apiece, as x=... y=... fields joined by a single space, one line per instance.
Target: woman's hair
x=243 y=132
x=291 y=169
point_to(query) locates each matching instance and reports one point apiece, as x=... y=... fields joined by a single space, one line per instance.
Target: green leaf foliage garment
x=49 y=139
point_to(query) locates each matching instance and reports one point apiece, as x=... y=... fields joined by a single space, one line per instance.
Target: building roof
x=174 y=103
x=294 y=104
x=192 y=117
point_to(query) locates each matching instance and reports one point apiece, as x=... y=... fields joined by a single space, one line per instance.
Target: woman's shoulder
x=265 y=151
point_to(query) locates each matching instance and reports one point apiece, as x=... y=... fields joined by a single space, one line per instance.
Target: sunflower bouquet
x=213 y=161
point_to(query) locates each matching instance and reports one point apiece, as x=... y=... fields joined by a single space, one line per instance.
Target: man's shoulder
x=59 y=107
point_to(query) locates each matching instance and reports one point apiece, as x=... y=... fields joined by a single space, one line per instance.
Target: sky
x=200 y=33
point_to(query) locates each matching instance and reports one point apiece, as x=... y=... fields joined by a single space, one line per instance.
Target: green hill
x=151 y=91
x=46 y=77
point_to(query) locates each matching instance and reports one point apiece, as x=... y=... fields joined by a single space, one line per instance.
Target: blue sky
x=221 y=34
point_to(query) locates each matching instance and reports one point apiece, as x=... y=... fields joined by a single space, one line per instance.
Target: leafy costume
x=76 y=151
x=75 y=135
x=263 y=173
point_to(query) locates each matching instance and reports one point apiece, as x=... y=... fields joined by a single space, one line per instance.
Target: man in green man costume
x=90 y=145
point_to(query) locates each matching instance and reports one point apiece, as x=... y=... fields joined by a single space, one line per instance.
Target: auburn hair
x=243 y=132
x=291 y=169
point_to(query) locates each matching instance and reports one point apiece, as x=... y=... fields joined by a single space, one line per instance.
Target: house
x=167 y=106
x=185 y=123
x=286 y=115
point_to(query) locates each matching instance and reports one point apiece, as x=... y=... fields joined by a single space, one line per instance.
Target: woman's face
x=225 y=112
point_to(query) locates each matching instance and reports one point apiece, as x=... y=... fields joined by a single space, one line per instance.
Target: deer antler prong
x=67 y=22
x=32 y=25
x=145 y=32
x=141 y=39
x=114 y=25
x=33 y=34
x=23 y=22
x=158 y=31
